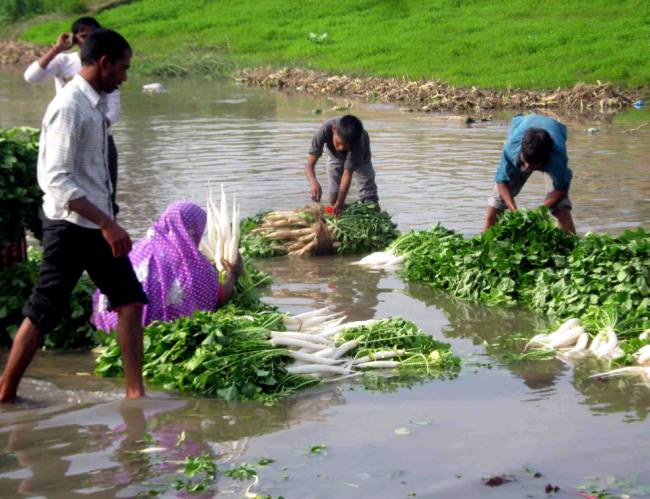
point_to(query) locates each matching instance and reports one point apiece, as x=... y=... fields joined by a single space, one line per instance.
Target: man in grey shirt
x=348 y=150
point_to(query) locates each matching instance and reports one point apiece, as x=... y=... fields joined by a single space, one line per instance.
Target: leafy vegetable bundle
x=265 y=355
x=601 y=279
x=361 y=228
x=20 y=196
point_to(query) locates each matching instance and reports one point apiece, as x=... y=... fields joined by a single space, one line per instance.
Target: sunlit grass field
x=518 y=43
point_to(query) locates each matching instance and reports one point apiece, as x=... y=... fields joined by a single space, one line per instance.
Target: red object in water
x=329 y=209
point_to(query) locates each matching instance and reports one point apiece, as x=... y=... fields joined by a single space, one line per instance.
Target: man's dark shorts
x=68 y=250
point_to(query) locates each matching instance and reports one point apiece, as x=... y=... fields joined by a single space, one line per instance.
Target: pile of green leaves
x=73 y=332
x=495 y=267
x=525 y=259
x=602 y=272
x=422 y=355
x=20 y=196
x=256 y=245
x=361 y=229
x=224 y=354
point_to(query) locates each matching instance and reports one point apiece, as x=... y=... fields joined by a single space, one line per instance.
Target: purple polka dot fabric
x=175 y=275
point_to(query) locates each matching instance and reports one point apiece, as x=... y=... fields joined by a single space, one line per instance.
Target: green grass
x=522 y=43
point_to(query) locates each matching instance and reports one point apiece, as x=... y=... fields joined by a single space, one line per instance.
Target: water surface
x=74 y=435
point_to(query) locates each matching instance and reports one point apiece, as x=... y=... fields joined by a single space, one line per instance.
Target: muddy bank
x=19 y=53
x=428 y=96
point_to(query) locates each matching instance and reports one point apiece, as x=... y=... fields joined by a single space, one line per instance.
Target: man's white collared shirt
x=73 y=153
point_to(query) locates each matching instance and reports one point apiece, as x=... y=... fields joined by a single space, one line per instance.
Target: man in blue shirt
x=535 y=142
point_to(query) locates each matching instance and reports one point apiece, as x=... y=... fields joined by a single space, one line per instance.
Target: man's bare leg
x=129 y=336
x=490 y=217
x=23 y=349
x=565 y=220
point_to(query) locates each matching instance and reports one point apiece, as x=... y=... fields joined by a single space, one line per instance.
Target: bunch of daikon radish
x=572 y=339
x=382 y=260
x=221 y=242
x=311 y=341
x=642 y=356
x=296 y=234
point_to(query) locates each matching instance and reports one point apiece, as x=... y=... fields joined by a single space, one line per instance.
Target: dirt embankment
x=600 y=100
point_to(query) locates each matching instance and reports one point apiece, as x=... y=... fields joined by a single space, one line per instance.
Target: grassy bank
x=521 y=43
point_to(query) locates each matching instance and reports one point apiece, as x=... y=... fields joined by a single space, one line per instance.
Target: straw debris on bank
x=432 y=95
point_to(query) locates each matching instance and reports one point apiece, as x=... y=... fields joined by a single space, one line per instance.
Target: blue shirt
x=557 y=165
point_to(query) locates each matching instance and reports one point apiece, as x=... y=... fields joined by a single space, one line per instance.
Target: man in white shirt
x=79 y=231
x=62 y=65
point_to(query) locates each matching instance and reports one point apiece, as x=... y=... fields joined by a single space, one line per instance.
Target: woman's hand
x=235 y=269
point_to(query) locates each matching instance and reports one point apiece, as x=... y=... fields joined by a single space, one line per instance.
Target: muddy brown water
x=74 y=436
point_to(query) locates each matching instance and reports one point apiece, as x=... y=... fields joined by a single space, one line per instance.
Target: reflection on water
x=74 y=433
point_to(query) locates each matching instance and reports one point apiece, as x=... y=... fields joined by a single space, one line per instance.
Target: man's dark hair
x=536 y=146
x=104 y=42
x=349 y=129
x=84 y=22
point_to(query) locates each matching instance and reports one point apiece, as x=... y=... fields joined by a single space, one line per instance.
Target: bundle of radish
x=239 y=353
x=221 y=242
x=296 y=232
x=323 y=346
x=640 y=358
x=572 y=339
x=313 y=231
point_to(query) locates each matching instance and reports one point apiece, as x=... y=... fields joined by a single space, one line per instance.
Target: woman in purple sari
x=176 y=277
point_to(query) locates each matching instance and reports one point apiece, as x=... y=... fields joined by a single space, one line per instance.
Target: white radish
x=345 y=348
x=347 y=325
x=290 y=342
x=325 y=352
x=595 y=344
x=379 y=364
x=643 y=355
x=225 y=223
x=569 y=324
x=566 y=337
x=318 y=369
x=581 y=344
x=300 y=336
x=313 y=359
x=313 y=313
x=387 y=354
x=377 y=258
x=396 y=261
x=608 y=345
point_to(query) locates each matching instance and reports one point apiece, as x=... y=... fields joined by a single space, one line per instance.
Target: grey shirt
x=351 y=160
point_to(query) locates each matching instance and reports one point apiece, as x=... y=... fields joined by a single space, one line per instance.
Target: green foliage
x=524 y=259
x=241 y=472
x=224 y=354
x=362 y=229
x=255 y=245
x=519 y=43
x=20 y=196
x=13 y=10
x=197 y=466
x=422 y=354
x=73 y=332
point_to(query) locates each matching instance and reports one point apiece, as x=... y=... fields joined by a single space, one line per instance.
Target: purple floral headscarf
x=175 y=275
